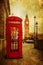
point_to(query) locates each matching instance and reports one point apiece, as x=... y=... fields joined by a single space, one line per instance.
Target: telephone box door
x=14 y=37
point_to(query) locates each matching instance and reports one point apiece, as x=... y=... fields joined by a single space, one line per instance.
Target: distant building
x=26 y=27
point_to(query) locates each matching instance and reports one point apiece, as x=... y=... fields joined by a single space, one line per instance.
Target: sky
x=31 y=7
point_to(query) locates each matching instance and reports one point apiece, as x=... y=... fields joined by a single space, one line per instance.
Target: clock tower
x=26 y=27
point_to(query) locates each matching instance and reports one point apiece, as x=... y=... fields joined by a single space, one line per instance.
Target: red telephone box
x=14 y=37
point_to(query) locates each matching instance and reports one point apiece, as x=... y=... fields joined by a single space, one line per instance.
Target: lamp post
x=36 y=35
x=34 y=24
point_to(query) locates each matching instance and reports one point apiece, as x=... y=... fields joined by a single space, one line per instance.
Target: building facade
x=26 y=27
x=4 y=12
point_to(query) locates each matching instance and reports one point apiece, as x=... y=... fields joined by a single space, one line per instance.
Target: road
x=30 y=55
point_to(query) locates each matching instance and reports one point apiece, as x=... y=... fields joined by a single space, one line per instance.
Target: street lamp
x=34 y=23
x=36 y=35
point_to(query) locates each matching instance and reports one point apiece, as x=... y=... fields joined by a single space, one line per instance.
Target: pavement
x=30 y=56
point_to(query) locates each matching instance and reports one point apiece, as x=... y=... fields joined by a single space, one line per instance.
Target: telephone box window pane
x=14 y=38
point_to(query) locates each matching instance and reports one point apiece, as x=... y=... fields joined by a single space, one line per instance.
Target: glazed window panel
x=14 y=38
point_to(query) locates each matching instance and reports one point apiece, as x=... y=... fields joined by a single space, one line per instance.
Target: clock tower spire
x=26 y=27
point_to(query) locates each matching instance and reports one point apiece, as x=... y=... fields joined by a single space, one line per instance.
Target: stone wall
x=4 y=12
x=1 y=21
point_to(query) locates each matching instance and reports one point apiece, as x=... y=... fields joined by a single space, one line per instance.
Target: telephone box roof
x=15 y=18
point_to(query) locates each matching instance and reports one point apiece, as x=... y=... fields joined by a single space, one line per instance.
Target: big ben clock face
x=26 y=22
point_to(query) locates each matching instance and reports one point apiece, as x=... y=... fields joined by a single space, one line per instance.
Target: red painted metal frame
x=13 y=54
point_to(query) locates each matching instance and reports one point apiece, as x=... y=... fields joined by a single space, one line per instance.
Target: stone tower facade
x=26 y=27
